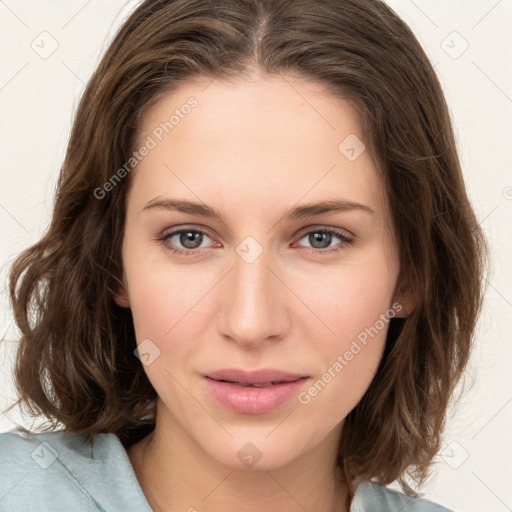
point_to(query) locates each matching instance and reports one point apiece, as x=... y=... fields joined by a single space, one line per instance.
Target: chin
x=255 y=451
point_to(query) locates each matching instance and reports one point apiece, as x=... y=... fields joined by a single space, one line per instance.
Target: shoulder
x=34 y=471
x=59 y=471
x=371 y=496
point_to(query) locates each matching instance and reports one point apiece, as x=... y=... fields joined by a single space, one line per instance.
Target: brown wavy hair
x=76 y=365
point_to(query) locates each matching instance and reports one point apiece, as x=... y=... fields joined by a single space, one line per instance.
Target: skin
x=253 y=150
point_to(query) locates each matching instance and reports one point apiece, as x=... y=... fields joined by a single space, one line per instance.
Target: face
x=255 y=277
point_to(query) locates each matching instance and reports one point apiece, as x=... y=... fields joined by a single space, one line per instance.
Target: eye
x=321 y=239
x=190 y=241
x=184 y=241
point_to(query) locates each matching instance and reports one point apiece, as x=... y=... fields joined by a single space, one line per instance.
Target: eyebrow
x=297 y=213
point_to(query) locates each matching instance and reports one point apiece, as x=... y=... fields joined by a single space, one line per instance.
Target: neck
x=175 y=473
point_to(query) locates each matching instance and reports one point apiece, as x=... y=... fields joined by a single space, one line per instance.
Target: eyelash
x=346 y=241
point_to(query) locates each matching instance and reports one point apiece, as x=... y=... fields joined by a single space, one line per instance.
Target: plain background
x=49 y=50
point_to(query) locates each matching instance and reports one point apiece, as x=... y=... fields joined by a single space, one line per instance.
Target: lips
x=256 y=392
x=258 y=378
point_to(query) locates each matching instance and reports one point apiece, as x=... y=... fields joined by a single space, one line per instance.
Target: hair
x=75 y=363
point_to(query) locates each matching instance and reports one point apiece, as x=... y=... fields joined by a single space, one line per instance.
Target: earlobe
x=119 y=292
x=407 y=306
x=405 y=301
x=121 y=298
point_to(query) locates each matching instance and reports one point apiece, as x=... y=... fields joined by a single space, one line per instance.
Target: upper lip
x=253 y=377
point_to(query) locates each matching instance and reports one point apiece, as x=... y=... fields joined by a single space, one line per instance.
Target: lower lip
x=248 y=400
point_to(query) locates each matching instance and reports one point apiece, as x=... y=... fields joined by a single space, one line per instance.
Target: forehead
x=267 y=139
x=256 y=109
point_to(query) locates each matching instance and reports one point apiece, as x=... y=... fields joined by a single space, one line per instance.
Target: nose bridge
x=251 y=311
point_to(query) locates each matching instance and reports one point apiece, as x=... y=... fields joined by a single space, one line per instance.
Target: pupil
x=188 y=239
x=319 y=237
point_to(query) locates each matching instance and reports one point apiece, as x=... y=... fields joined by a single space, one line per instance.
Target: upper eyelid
x=174 y=231
x=321 y=227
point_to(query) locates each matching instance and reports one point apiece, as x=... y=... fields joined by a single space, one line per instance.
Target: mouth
x=259 y=384
x=253 y=392
x=258 y=378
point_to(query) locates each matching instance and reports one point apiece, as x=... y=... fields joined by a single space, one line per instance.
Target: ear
x=121 y=295
x=121 y=298
x=404 y=299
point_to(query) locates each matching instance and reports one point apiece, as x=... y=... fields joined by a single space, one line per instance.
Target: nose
x=254 y=308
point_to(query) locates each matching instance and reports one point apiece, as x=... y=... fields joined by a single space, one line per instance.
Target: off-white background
x=38 y=95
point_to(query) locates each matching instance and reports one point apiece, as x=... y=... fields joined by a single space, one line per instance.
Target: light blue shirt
x=59 y=471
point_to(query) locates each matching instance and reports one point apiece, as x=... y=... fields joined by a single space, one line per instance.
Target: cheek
x=351 y=356
x=354 y=304
x=167 y=303
x=162 y=295
x=347 y=299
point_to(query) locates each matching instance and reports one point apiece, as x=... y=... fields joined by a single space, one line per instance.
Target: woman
x=262 y=275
